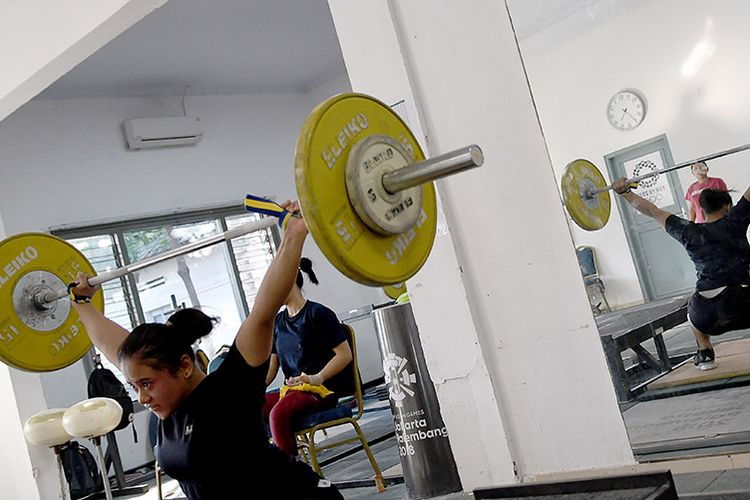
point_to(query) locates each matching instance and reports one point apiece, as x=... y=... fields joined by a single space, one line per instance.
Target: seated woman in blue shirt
x=311 y=346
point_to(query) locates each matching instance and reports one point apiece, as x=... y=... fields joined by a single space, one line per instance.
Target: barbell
x=365 y=191
x=586 y=194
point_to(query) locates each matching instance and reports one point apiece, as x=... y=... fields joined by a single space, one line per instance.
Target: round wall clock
x=626 y=110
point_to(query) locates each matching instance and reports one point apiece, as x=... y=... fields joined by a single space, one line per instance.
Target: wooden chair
x=343 y=414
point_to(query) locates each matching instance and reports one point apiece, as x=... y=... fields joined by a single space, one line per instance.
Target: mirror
x=632 y=87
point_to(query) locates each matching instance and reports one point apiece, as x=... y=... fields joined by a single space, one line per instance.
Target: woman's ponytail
x=192 y=324
x=305 y=265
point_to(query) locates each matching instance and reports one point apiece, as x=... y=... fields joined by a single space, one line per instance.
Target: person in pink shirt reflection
x=700 y=171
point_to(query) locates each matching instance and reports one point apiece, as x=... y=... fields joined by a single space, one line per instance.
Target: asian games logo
x=398 y=378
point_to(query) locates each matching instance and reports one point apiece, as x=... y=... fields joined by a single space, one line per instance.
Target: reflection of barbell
x=585 y=192
x=365 y=192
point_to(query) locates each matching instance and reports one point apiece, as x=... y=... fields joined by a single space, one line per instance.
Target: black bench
x=631 y=327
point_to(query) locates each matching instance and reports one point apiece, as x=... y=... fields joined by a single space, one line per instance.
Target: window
x=222 y=280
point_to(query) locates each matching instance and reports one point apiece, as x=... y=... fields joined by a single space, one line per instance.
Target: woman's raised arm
x=106 y=335
x=256 y=332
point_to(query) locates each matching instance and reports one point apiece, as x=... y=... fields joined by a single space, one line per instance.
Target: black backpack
x=80 y=469
x=104 y=384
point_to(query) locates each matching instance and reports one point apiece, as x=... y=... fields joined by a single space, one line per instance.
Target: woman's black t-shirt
x=215 y=443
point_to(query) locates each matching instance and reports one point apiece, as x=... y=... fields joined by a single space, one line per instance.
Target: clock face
x=626 y=110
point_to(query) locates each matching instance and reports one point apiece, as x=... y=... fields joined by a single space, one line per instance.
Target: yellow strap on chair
x=320 y=390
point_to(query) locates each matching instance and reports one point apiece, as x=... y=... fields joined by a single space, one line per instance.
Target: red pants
x=282 y=413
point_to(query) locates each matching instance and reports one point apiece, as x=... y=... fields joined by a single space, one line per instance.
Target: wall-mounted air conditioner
x=142 y=133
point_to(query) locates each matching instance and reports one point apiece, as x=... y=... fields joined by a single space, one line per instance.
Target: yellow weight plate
x=32 y=337
x=589 y=212
x=323 y=148
x=394 y=291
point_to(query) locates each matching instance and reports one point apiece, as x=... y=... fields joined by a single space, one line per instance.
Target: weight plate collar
x=383 y=212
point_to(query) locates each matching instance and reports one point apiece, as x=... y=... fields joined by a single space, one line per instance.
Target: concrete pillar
x=505 y=322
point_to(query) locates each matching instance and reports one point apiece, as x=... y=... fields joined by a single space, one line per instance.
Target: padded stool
x=92 y=419
x=46 y=429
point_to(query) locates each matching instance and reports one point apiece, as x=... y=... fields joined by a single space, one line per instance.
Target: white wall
x=572 y=79
x=57 y=148
x=336 y=85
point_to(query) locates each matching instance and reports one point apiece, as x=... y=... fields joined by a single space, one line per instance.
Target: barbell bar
x=353 y=150
x=44 y=300
x=394 y=182
x=586 y=194
x=635 y=179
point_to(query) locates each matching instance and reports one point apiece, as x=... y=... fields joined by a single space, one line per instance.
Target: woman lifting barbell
x=211 y=436
x=720 y=251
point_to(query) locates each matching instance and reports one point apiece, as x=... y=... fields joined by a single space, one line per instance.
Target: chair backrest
x=201 y=359
x=357 y=378
x=215 y=363
x=587 y=261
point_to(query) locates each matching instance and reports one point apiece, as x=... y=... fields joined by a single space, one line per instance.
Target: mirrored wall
x=634 y=86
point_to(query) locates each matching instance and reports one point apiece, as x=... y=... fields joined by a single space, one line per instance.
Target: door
x=663 y=266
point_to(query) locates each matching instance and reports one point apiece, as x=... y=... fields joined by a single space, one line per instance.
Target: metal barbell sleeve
x=434 y=168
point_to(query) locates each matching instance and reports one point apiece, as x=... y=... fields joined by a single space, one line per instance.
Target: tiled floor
x=712 y=484
x=716 y=420
x=690 y=417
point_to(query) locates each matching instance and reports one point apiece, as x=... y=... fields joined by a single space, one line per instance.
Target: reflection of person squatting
x=408 y=432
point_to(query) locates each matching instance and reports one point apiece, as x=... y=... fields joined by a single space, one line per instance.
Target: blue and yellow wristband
x=264 y=206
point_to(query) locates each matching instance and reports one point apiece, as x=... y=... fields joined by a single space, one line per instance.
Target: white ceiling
x=543 y=23
x=254 y=46
x=214 y=47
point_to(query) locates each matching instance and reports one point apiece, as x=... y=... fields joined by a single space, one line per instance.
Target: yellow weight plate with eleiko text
x=395 y=291
x=323 y=147
x=36 y=337
x=590 y=212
